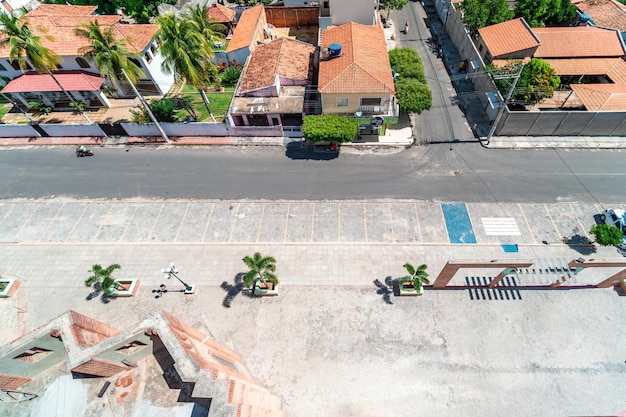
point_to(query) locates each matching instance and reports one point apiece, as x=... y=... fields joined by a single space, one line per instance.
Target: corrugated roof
x=601 y=97
x=65 y=42
x=221 y=14
x=70 y=80
x=578 y=42
x=364 y=63
x=285 y=57
x=615 y=68
x=508 y=37
x=244 y=31
x=607 y=13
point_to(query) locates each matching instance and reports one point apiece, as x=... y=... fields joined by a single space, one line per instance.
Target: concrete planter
x=406 y=287
x=8 y=286
x=261 y=290
x=127 y=287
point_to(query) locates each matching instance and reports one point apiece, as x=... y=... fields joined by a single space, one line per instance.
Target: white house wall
x=153 y=71
x=360 y=11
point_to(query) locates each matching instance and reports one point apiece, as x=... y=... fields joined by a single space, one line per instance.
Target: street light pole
x=171 y=271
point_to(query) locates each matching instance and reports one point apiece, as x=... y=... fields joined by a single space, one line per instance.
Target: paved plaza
x=336 y=342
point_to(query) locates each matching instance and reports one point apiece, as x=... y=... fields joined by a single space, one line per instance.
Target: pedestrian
x=406 y=27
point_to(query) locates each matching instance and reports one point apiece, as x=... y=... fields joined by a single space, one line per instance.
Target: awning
x=42 y=83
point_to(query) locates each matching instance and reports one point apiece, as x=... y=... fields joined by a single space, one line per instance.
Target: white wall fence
x=18 y=131
x=562 y=123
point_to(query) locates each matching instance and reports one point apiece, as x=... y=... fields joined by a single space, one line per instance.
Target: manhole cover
x=456 y=172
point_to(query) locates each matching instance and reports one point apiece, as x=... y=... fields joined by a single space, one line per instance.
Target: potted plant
x=413 y=283
x=102 y=280
x=260 y=275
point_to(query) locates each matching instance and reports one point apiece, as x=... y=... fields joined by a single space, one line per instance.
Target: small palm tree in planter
x=103 y=281
x=261 y=274
x=413 y=283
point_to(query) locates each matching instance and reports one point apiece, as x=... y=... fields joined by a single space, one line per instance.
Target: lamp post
x=172 y=271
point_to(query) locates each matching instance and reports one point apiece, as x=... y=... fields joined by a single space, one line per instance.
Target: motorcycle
x=82 y=153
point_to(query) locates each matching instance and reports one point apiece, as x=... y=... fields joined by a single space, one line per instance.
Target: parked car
x=616 y=218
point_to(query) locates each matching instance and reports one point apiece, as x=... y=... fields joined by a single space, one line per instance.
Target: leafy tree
x=109 y=53
x=407 y=63
x=329 y=128
x=142 y=10
x=25 y=47
x=164 y=110
x=187 y=51
x=231 y=75
x=538 y=80
x=413 y=96
x=209 y=29
x=393 y=4
x=102 y=277
x=538 y=13
x=259 y=268
x=607 y=235
x=418 y=276
x=480 y=13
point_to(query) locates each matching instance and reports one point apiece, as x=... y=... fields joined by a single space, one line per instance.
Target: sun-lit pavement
x=337 y=341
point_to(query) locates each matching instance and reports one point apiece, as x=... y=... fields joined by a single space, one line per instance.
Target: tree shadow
x=299 y=151
x=233 y=290
x=385 y=289
x=581 y=244
x=97 y=292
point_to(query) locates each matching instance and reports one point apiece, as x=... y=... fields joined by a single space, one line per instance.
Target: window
x=32 y=355
x=341 y=102
x=370 y=101
x=82 y=63
x=147 y=57
x=326 y=5
x=153 y=49
x=135 y=61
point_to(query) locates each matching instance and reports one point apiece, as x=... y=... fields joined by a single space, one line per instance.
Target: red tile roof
x=65 y=42
x=62 y=10
x=508 y=37
x=614 y=68
x=578 y=42
x=606 y=13
x=70 y=80
x=285 y=57
x=364 y=63
x=601 y=97
x=244 y=31
x=221 y=14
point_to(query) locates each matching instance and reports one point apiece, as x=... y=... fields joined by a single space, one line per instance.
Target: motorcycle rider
x=82 y=149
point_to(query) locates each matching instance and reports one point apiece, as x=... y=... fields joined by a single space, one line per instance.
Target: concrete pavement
x=341 y=343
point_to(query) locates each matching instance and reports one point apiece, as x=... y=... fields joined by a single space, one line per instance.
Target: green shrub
x=413 y=96
x=407 y=63
x=607 y=235
x=329 y=128
x=231 y=75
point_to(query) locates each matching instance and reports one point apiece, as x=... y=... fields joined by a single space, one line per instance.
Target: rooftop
x=578 y=42
x=244 y=31
x=606 y=13
x=221 y=14
x=363 y=65
x=290 y=100
x=508 y=37
x=70 y=80
x=614 y=68
x=601 y=97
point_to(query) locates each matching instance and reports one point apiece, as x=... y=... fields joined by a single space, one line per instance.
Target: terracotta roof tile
x=62 y=10
x=65 y=42
x=578 y=42
x=70 y=80
x=285 y=57
x=244 y=31
x=364 y=63
x=508 y=37
x=615 y=68
x=601 y=97
x=607 y=13
x=221 y=14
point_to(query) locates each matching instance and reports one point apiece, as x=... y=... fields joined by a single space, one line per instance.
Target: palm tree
x=210 y=30
x=26 y=47
x=260 y=268
x=108 y=53
x=103 y=277
x=187 y=52
x=418 y=276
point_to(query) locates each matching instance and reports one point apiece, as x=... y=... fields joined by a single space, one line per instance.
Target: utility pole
x=147 y=107
x=504 y=103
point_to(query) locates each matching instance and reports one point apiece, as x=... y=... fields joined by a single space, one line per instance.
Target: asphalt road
x=434 y=173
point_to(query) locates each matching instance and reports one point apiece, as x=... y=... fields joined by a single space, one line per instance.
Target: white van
x=616 y=218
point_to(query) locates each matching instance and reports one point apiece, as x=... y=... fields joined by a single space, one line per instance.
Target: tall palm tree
x=418 y=276
x=26 y=47
x=187 y=52
x=103 y=277
x=260 y=268
x=211 y=30
x=108 y=53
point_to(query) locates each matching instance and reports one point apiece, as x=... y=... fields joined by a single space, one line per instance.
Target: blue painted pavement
x=458 y=223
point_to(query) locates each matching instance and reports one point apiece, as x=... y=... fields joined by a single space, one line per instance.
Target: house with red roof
x=76 y=74
x=272 y=88
x=248 y=33
x=355 y=76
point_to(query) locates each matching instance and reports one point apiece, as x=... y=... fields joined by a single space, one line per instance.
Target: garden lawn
x=218 y=101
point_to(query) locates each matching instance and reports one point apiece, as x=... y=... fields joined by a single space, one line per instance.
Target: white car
x=616 y=218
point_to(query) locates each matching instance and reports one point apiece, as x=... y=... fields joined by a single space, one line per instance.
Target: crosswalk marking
x=500 y=226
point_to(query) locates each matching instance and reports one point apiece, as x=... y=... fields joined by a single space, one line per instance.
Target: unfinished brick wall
x=88 y=331
x=12 y=382
x=98 y=367
x=286 y=17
